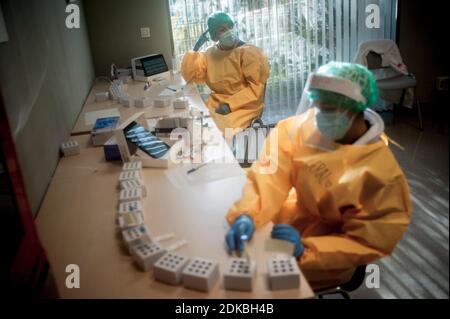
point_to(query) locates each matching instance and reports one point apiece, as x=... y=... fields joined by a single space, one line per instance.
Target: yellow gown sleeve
x=368 y=233
x=194 y=66
x=264 y=194
x=255 y=69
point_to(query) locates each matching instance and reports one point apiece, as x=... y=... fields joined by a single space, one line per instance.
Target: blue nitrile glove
x=241 y=231
x=290 y=234
x=201 y=40
x=223 y=109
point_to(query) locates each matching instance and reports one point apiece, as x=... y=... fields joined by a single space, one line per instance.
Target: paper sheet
x=209 y=173
x=91 y=117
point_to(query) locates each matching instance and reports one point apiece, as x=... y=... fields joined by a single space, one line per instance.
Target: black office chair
x=344 y=290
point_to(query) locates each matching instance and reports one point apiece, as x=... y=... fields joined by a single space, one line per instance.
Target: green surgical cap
x=217 y=19
x=357 y=74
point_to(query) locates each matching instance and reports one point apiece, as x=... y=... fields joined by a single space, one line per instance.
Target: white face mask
x=228 y=38
x=334 y=125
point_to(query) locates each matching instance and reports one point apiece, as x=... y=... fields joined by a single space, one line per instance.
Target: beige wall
x=114 y=31
x=422 y=30
x=46 y=74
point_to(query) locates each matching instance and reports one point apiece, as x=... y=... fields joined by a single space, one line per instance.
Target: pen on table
x=193 y=170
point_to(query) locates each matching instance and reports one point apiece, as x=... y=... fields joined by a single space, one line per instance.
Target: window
x=296 y=35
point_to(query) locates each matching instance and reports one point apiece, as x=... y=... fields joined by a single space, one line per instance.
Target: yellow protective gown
x=236 y=77
x=351 y=205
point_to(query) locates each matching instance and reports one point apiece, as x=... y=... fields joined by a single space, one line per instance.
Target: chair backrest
x=374 y=61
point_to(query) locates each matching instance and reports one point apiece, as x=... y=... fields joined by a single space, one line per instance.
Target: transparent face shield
x=331 y=84
x=319 y=125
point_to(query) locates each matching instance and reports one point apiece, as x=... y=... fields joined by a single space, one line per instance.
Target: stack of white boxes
x=131 y=178
x=132 y=191
x=70 y=148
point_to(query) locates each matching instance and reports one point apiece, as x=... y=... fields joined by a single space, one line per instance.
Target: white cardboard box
x=146 y=255
x=136 y=236
x=142 y=102
x=239 y=274
x=70 y=148
x=101 y=96
x=162 y=102
x=129 y=220
x=283 y=273
x=132 y=166
x=129 y=175
x=169 y=267
x=181 y=103
x=135 y=154
x=131 y=195
x=200 y=274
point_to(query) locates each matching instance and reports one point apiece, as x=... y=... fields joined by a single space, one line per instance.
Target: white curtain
x=297 y=36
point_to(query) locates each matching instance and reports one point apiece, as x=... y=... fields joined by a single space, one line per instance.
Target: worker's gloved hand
x=241 y=231
x=201 y=40
x=223 y=109
x=290 y=234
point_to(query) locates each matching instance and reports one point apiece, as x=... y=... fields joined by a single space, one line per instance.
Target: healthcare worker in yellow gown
x=235 y=72
x=338 y=194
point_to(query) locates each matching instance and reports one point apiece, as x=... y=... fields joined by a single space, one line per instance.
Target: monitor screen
x=154 y=64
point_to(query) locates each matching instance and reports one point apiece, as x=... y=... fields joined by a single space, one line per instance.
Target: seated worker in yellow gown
x=338 y=193
x=235 y=72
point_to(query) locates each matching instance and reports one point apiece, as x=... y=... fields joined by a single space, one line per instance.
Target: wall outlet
x=442 y=83
x=145 y=32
